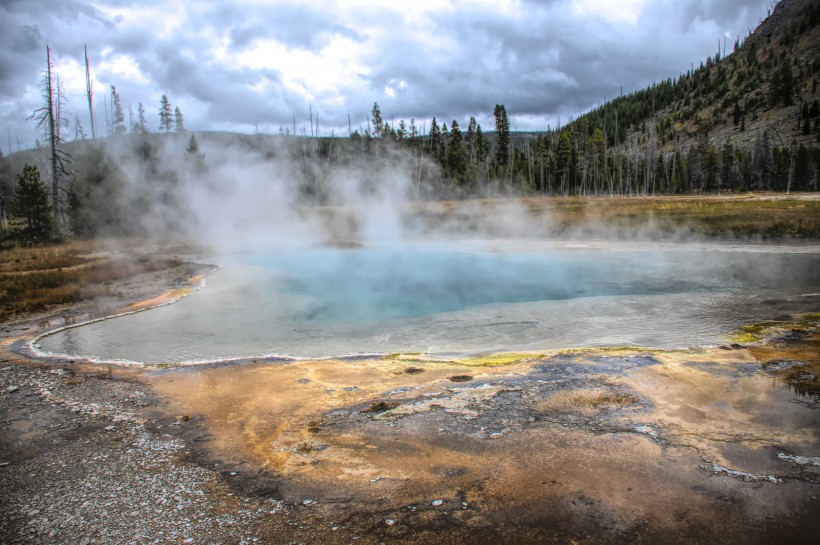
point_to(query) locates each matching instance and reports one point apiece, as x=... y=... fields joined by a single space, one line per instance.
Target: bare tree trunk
x=11 y=167
x=52 y=138
x=90 y=94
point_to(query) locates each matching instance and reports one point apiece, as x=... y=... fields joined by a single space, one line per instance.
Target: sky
x=254 y=65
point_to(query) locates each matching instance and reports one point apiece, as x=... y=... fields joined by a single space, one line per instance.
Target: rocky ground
x=630 y=446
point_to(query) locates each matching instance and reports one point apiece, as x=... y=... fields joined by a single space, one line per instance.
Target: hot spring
x=461 y=298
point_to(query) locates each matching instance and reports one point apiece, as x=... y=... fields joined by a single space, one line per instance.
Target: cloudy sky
x=249 y=65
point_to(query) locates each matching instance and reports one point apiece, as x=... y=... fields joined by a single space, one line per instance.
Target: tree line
x=701 y=132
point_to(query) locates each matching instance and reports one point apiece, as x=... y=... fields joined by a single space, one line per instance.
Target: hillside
x=758 y=103
x=763 y=85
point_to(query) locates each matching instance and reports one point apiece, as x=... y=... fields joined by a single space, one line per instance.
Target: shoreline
x=171 y=296
x=212 y=358
x=628 y=445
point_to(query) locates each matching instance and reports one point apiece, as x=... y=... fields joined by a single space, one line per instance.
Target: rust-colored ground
x=618 y=446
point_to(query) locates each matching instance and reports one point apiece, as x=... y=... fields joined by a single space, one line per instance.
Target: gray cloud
x=542 y=59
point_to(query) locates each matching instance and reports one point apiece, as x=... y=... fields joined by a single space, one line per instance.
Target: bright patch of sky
x=613 y=11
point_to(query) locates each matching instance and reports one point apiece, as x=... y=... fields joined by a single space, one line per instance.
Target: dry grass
x=742 y=216
x=748 y=215
x=37 y=279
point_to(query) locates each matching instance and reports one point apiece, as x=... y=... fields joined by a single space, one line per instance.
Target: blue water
x=464 y=297
x=379 y=283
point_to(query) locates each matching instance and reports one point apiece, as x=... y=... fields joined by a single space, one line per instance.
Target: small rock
x=308 y=502
x=437 y=503
x=12 y=388
x=390 y=522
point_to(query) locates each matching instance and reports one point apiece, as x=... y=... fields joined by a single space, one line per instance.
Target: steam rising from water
x=276 y=192
x=332 y=257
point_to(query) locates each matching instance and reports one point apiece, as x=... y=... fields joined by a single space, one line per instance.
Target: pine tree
x=482 y=146
x=502 y=135
x=456 y=156
x=30 y=202
x=195 y=157
x=378 y=122
x=193 y=145
x=118 y=122
x=442 y=149
x=141 y=124
x=435 y=138
x=179 y=120
x=165 y=116
x=564 y=158
x=471 y=139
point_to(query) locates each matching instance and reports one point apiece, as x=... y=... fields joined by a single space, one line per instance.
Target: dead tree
x=47 y=118
x=90 y=94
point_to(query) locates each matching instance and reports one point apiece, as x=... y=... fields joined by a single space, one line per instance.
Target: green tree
x=502 y=135
x=564 y=158
x=597 y=145
x=141 y=125
x=30 y=202
x=442 y=149
x=166 y=119
x=195 y=157
x=471 y=139
x=179 y=120
x=435 y=138
x=456 y=154
x=482 y=146
x=193 y=145
x=118 y=122
x=378 y=122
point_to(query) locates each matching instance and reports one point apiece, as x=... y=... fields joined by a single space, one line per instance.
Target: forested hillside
x=747 y=120
x=744 y=120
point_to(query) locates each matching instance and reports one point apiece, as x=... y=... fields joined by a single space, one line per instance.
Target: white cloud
x=613 y=11
x=238 y=64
